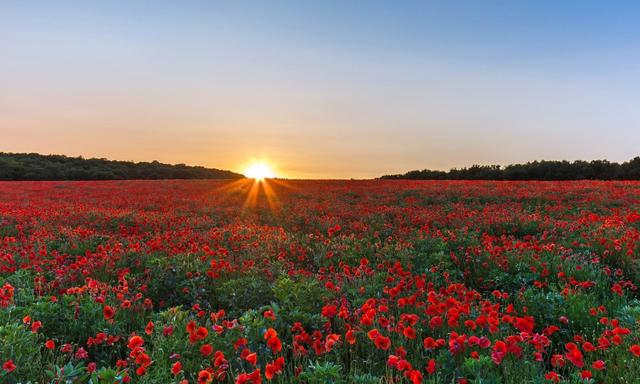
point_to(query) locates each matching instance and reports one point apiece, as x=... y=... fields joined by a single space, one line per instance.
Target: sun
x=259 y=171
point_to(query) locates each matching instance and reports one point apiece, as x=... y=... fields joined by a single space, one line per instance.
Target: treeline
x=33 y=166
x=536 y=170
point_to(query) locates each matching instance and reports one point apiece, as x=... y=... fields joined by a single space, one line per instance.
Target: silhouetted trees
x=536 y=170
x=33 y=166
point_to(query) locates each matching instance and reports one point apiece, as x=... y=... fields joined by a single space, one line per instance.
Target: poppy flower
x=204 y=377
x=275 y=344
x=269 y=314
x=270 y=333
x=206 y=350
x=373 y=334
x=81 y=353
x=9 y=366
x=382 y=342
x=108 y=312
x=329 y=311
x=249 y=378
x=414 y=376
x=252 y=358
x=176 y=368
x=149 y=328
x=598 y=365
x=275 y=368
x=585 y=375
x=409 y=333
x=49 y=344
x=431 y=367
x=35 y=326
x=350 y=337
x=574 y=355
x=135 y=341
x=552 y=376
x=141 y=370
x=202 y=333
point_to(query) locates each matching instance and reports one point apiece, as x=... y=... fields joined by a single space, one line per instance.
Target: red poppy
x=206 y=350
x=431 y=367
x=269 y=314
x=574 y=355
x=9 y=366
x=598 y=365
x=204 y=377
x=149 y=328
x=275 y=344
x=176 y=368
x=350 y=337
x=35 y=326
x=382 y=342
x=552 y=376
x=135 y=341
x=252 y=358
x=108 y=312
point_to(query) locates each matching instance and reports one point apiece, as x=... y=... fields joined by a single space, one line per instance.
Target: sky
x=322 y=89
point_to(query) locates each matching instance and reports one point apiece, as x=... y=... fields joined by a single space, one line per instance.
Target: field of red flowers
x=319 y=282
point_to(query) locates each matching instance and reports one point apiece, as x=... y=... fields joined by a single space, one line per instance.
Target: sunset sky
x=322 y=89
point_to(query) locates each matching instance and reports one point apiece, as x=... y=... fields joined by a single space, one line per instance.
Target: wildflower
x=574 y=355
x=35 y=326
x=81 y=353
x=269 y=314
x=552 y=376
x=382 y=342
x=206 y=350
x=135 y=342
x=252 y=358
x=108 y=312
x=9 y=366
x=431 y=367
x=275 y=368
x=176 y=368
x=149 y=328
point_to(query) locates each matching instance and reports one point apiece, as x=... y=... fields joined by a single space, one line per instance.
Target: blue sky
x=322 y=89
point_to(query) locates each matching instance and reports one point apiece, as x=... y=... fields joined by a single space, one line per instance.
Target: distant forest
x=536 y=170
x=33 y=166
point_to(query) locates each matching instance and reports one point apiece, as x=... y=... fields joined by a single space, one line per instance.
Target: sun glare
x=259 y=171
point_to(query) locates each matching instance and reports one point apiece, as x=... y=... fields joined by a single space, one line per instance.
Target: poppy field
x=382 y=281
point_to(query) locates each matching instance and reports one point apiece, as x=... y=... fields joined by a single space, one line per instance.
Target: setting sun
x=259 y=171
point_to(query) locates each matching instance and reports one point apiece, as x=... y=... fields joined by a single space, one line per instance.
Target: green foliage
x=22 y=346
x=299 y=299
x=537 y=170
x=323 y=373
x=242 y=293
x=33 y=166
x=161 y=348
x=366 y=378
x=69 y=374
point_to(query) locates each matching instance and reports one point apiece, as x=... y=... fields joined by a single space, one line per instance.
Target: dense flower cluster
x=320 y=282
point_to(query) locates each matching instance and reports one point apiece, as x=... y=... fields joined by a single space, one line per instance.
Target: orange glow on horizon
x=259 y=170
x=256 y=191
